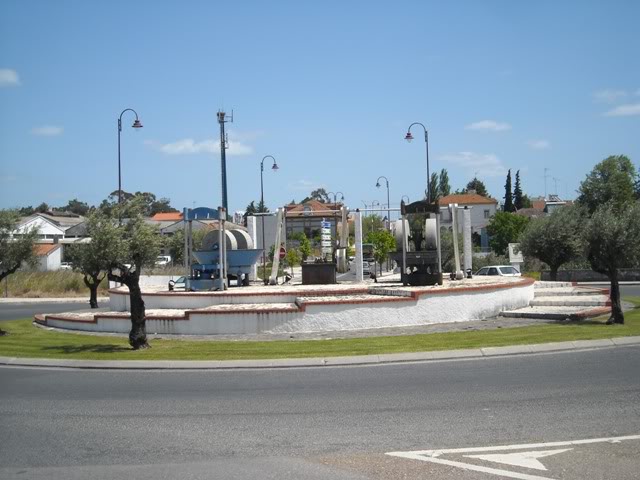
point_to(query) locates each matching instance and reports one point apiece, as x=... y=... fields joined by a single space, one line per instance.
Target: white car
x=499 y=271
x=179 y=284
x=66 y=266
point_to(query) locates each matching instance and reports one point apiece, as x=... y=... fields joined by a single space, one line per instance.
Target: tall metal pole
x=264 y=259
x=223 y=158
x=264 y=250
x=408 y=138
x=136 y=124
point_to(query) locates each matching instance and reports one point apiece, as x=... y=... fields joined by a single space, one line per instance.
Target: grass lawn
x=26 y=340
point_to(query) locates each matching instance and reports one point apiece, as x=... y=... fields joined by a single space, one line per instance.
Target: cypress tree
x=518 y=201
x=508 y=196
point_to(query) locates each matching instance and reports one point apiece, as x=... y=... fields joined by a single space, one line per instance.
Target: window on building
x=486 y=213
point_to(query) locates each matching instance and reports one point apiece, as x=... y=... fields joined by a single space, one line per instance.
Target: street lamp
x=388 y=204
x=408 y=137
x=407 y=197
x=264 y=256
x=136 y=124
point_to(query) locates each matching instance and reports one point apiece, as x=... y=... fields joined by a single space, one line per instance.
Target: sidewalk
x=390 y=358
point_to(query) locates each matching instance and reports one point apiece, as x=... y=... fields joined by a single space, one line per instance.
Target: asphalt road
x=313 y=423
x=14 y=311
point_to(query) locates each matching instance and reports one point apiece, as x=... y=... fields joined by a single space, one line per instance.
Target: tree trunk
x=93 y=296
x=617 y=316
x=138 y=333
x=92 y=284
x=553 y=274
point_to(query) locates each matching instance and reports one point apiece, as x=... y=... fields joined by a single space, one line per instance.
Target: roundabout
x=304 y=308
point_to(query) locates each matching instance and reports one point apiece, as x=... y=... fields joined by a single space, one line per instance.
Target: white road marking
x=432 y=455
x=521 y=459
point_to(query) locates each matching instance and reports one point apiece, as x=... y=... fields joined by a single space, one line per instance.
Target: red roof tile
x=467 y=199
x=42 y=249
x=166 y=217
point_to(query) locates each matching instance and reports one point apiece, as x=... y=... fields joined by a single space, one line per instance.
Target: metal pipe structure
x=222 y=119
x=264 y=250
x=335 y=216
x=408 y=137
x=136 y=124
x=388 y=204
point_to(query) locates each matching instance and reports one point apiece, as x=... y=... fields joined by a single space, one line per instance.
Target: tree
x=518 y=200
x=434 y=187
x=615 y=179
x=371 y=223
x=508 y=196
x=319 y=194
x=383 y=243
x=77 y=207
x=42 y=208
x=134 y=245
x=14 y=250
x=556 y=239
x=478 y=186
x=92 y=259
x=304 y=244
x=144 y=203
x=612 y=237
x=443 y=183
x=526 y=201
x=505 y=228
x=293 y=258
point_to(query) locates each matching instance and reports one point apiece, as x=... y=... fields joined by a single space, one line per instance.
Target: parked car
x=499 y=271
x=366 y=268
x=179 y=284
x=66 y=266
x=163 y=261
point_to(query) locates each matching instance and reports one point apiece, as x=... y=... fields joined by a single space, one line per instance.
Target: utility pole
x=222 y=119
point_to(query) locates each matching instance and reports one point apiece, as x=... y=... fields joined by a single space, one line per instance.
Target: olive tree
x=556 y=239
x=14 y=249
x=612 y=240
x=132 y=246
x=92 y=259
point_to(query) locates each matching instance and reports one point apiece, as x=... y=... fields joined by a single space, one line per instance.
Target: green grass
x=26 y=340
x=61 y=283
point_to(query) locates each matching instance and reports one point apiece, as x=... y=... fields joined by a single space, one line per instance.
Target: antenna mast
x=222 y=119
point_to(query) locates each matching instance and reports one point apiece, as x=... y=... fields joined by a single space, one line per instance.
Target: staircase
x=563 y=301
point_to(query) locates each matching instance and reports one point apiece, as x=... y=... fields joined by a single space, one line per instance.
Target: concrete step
x=557 y=313
x=568 y=291
x=545 y=284
x=571 y=301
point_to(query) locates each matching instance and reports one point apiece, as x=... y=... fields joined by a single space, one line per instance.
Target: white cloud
x=488 y=126
x=487 y=165
x=304 y=185
x=609 y=95
x=47 y=131
x=188 y=146
x=539 y=144
x=624 y=110
x=9 y=78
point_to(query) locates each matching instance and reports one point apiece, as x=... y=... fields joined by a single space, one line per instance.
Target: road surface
x=338 y=423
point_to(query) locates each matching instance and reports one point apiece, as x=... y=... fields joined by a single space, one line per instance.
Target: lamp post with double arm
x=274 y=167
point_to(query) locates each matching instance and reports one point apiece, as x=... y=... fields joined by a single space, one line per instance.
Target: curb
x=381 y=359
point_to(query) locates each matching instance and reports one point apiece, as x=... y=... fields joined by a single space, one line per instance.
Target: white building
x=482 y=209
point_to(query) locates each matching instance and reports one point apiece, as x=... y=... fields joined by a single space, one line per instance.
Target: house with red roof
x=482 y=209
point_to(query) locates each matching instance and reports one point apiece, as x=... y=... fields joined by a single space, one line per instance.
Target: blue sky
x=328 y=88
